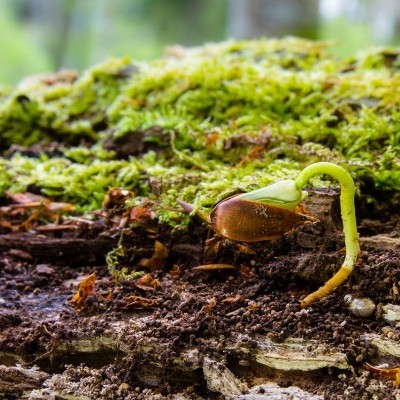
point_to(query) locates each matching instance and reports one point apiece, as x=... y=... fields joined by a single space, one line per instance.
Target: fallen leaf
x=85 y=289
x=245 y=249
x=158 y=258
x=208 y=308
x=393 y=373
x=28 y=208
x=24 y=198
x=231 y=299
x=137 y=301
x=246 y=272
x=141 y=213
x=175 y=271
x=147 y=282
x=212 y=246
x=253 y=306
x=116 y=196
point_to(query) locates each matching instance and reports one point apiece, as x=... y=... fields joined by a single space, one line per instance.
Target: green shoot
x=347 y=191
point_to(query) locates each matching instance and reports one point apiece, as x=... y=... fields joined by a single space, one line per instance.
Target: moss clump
x=61 y=106
x=204 y=122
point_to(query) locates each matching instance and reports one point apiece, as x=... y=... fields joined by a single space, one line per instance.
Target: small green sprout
x=270 y=212
x=347 y=191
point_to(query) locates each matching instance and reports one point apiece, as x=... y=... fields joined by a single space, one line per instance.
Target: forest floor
x=234 y=332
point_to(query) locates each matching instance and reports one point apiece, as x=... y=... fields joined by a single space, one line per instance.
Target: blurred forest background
x=37 y=36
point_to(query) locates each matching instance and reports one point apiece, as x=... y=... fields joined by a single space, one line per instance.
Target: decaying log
x=290 y=355
x=294 y=354
x=46 y=248
x=15 y=380
x=385 y=346
x=273 y=391
x=220 y=379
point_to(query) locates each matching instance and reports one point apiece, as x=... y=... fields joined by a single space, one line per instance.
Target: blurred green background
x=38 y=36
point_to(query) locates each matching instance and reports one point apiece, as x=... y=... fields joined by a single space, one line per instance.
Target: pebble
x=360 y=307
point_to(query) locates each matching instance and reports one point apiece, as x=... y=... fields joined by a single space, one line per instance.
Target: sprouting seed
x=271 y=212
x=245 y=220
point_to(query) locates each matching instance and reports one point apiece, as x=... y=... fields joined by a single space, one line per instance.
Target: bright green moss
x=212 y=121
x=61 y=179
x=62 y=107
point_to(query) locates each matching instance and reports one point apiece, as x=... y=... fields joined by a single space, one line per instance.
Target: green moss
x=61 y=179
x=60 y=107
x=215 y=120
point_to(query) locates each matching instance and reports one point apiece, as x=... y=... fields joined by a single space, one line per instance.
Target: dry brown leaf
x=158 y=258
x=175 y=271
x=231 y=299
x=244 y=249
x=116 y=196
x=246 y=272
x=147 y=282
x=137 y=301
x=208 y=308
x=28 y=208
x=142 y=213
x=24 y=198
x=393 y=373
x=85 y=289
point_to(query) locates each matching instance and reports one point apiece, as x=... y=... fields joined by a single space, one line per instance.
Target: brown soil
x=158 y=350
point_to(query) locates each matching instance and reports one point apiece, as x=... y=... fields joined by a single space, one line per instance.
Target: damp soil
x=114 y=348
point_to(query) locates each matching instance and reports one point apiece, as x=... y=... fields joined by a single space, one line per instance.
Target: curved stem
x=347 y=191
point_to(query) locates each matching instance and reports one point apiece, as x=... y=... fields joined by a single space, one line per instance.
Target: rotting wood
x=324 y=204
x=385 y=346
x=391 y=313
x=381 y=242
x=48 y=394
x=54 y=249
x=14 y=380
x=295 y=354
x=271 y=390
x=292 y=354
x=220 y=379
x=91 y=345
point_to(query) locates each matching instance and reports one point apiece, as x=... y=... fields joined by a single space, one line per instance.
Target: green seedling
x=271 y=212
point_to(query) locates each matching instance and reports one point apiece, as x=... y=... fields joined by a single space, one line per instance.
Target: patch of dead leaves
x=157 y=260
x=140 y=302
x=393 y=373
x=86 y=288
x=27 y=210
